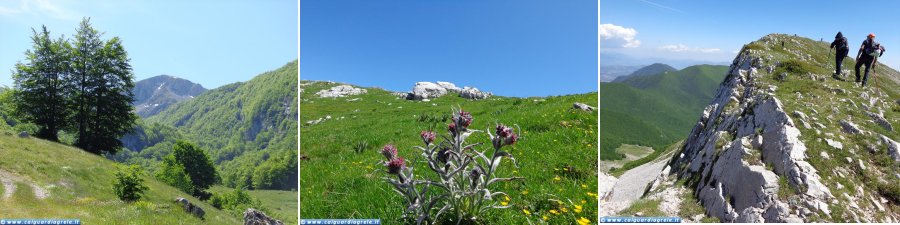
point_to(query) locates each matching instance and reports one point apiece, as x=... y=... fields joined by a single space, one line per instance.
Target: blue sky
x=209 y=42
x=714 y=30
x=509 y=47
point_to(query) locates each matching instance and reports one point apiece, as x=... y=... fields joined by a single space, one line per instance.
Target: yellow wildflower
x=564 y=209
x=577 y=208
x=554 y=211
x=592 y=194
x=584 y=186
x=526 y=212
x=583 y=221
x=545 y=217
x=506 y=197
x=504 y=203
x=557 y=178
x=583 y=201
x=525 y=192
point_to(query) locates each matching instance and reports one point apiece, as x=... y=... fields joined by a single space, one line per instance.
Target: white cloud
x=685 y=48
x=618 y=36
x=36 y=8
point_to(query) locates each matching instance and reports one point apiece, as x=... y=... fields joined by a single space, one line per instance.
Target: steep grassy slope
x=79 y=185
x=654 y=110
x=243 y=125
x=341 y=171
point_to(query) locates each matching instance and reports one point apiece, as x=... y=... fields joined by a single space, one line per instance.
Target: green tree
x=101 y=91
x=197 y=165
x=40 y=95
x=129 y=185
x=173 y=173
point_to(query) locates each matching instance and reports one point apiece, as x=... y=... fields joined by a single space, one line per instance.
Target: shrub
x=129 y=185
x=464 y=174
x=234 y=200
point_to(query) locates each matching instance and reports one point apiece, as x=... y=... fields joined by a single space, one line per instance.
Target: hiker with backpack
x=869 y=52
x=843 y=48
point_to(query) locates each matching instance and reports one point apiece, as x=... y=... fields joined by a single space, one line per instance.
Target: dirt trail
x=9 y=181
x=632 y=184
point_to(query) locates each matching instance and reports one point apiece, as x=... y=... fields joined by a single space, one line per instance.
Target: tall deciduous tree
x=101 y=91
x=41 y=90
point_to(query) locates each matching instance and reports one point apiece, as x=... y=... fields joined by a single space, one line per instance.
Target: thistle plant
x=464 y=175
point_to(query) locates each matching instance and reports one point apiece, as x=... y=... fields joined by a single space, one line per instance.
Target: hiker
x=870 y=50
x=843 y=48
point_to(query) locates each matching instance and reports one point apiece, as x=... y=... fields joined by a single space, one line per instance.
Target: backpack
x=842 y=44
x=872 y=48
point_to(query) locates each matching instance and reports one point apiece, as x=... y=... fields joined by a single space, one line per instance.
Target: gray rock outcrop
x=893 y=148
x=744 y=129
x=429 y=90
x=473 y=93
x=190 y=207
x=584 y=107
x=256 y=217
x=340 y=91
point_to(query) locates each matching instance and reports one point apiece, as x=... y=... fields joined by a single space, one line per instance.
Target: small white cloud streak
x=37 y=8
x=619 y=36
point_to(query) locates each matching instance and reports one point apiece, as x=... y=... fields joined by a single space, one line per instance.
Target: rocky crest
x=429 y=90
x=748 y=159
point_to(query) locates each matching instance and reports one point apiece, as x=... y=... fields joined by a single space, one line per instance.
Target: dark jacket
x=840 y=42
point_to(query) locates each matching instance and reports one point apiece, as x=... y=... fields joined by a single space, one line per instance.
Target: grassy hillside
x=79 y=185
x=342 y=176
x=654 y=110
x=244 y=125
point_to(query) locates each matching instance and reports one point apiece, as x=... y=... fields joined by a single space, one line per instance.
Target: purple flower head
x=395 y=165
x=427 y=137
x=512 y=139
x=503 y=131
x=452 y=128
x=389 y=152
x=463 y=119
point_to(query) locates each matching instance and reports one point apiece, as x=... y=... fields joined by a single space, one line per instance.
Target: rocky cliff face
x=755 y=156
x=155 y=94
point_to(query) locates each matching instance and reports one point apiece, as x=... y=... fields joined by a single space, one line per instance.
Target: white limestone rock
x=340 y=91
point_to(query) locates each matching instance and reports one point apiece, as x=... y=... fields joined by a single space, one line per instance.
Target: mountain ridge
x=157 y=93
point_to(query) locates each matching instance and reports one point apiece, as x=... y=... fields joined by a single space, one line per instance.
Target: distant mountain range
x=654 y=110
x=155 y=94
x=652 y=69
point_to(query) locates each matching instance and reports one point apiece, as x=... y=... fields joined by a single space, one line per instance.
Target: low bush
x=129 y=185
